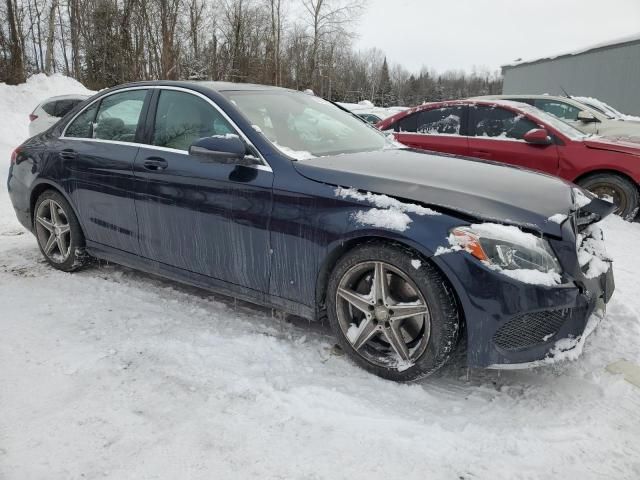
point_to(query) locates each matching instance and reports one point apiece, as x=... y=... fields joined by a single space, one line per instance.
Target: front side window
x=182 y=118
x=81 y=127
x=496 y=122
x=558 y=109
x=119 y=115
x=440 y=121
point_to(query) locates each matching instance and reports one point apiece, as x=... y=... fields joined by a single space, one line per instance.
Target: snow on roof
x=611 y=43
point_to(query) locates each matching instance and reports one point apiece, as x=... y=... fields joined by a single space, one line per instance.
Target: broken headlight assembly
x=506 y=247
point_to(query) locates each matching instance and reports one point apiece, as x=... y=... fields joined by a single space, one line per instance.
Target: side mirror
x=537 y=136
x=586 y=117
x=226 y=149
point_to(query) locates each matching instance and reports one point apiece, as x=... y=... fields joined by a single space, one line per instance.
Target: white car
x=578 y=113
x=48 y=112
x=369 y=112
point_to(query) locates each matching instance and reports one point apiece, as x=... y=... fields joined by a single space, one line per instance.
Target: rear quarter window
x=50 y=108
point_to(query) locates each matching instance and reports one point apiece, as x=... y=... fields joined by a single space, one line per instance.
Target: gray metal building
x=609 y=72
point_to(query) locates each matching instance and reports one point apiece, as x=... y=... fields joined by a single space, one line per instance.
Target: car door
x=97 y=149
x=195 y=214
x=438 y=129
x=496 y=133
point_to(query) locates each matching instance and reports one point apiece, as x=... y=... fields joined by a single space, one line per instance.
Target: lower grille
x=530 y=329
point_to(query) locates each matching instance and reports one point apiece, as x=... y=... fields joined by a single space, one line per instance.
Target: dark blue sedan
x=286 y=200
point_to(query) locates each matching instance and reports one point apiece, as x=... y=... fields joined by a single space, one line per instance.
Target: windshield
x=599 y=106
x=303 y=126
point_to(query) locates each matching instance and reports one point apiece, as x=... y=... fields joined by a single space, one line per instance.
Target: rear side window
x=64 y=106
x=440 y=121
x=182 y=118
x=50 y=108
x=81 y=127
x=562 y=110
x=496 y=122
x=119 y=115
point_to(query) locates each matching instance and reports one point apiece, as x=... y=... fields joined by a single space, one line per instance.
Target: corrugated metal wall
x=611 y=74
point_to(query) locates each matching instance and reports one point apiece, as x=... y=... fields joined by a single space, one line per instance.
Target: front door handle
x=67 y=154
x=481 y=153
x=155 y=163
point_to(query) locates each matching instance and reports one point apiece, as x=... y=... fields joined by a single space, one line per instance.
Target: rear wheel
x=614 y=188
x=395 y=320
x=58 y=232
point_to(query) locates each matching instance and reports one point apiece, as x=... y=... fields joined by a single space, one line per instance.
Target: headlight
x=506 y=247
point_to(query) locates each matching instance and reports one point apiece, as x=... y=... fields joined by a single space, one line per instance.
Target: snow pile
x=18 y=101
x=592 y=252
x=390 y=214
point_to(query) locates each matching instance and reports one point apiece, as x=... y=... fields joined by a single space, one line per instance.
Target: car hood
x=616 y=143
x=479 y=189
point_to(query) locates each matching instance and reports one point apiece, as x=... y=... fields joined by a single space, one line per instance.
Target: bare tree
x=16 y=73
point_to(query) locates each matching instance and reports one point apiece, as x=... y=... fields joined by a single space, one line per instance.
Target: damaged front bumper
x=511 y=324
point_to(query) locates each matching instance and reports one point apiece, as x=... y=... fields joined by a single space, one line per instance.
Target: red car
x=522 y=135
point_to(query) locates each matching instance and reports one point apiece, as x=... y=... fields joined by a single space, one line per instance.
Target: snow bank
x=391 y=212
x=18 y=101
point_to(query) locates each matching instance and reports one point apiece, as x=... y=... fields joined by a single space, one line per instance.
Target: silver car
x=580 y=115
x=48 y=112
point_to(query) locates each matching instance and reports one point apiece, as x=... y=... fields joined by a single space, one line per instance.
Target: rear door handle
x=67 y=154
x=155 y=163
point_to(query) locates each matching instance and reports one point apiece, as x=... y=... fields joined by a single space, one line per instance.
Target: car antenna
x=565 y=92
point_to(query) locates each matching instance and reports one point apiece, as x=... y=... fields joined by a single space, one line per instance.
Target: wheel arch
x=41 y=187
x=605 y=171
x=343 y=248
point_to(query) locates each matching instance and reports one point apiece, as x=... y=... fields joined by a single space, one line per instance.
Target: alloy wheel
x=383 y=314
x=53 y=231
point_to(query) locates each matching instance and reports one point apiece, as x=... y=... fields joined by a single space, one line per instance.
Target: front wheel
x=394 y=315
x=615 y=188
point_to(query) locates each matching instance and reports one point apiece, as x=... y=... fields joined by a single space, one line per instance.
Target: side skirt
x=152 y=267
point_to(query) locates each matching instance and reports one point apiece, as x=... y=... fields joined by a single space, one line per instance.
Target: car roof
x=211 y=85
x=447 y=103
x=571 y=101
x=66 y=97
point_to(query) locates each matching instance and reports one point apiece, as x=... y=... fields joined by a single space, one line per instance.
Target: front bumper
x=510 y=324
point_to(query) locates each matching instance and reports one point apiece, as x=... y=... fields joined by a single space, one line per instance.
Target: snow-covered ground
x=109 y=373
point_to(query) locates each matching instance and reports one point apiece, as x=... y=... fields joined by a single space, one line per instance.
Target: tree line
x=300 y=44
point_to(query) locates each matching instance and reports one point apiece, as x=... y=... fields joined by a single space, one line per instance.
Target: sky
x=461 y=34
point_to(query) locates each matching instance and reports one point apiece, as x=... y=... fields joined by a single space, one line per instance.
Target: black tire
x=435 y=291
x=623 y=191
x=73 y=241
